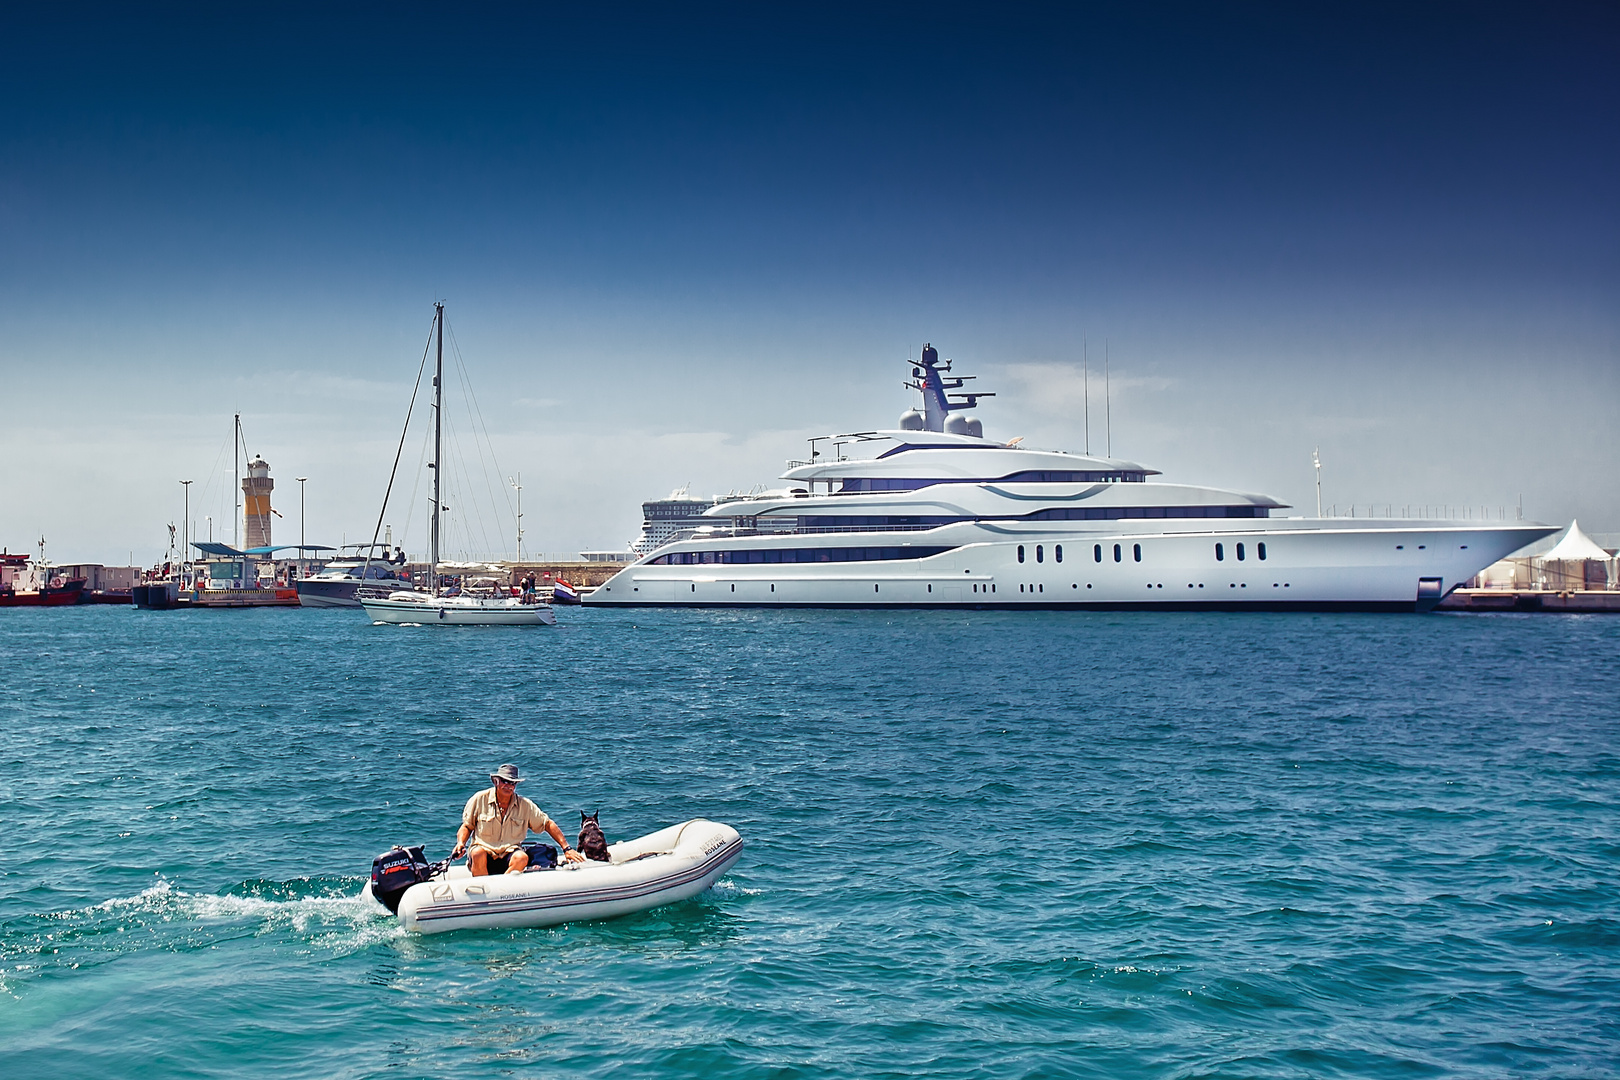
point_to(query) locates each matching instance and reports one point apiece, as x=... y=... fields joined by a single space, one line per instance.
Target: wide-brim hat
x=507 y=772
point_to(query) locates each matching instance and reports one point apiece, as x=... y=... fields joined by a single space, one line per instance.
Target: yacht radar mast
x=928 y=375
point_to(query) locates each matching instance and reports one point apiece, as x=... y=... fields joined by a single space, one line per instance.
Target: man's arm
x=464 y=833
x=567 y=849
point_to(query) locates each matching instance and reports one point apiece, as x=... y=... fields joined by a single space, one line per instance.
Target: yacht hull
x=1321 y=564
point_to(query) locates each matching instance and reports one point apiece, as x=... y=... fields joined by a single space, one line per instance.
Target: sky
x=674 y=241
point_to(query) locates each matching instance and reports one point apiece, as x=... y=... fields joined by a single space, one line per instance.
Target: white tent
x=1576 y=546
x=1566 y=565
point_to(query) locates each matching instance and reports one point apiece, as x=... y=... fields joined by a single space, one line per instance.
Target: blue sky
x=674 y=241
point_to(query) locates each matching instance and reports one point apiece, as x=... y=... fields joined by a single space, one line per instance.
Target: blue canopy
x=211 y=548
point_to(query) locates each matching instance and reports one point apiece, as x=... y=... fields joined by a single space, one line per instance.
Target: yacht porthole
x=1040 y=553
x=1220 y=553
x=1116 y=553
x=1057 y=552
x=1088 y=584
x=1020 y=552
x=1096 y=552
x=1136 y=552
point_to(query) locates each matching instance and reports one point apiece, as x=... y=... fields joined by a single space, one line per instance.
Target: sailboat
x=477 y=602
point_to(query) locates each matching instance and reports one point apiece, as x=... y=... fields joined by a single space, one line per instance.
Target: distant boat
x=28 y=582
x=338 y=583
x=478 y=602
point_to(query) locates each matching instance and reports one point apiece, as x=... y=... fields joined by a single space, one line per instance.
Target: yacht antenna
x=1085 y=385
x=438 y=414
x=1108 y=401
x=1316 y=460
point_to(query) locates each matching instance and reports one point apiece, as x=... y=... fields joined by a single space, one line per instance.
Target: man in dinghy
x=496 y=822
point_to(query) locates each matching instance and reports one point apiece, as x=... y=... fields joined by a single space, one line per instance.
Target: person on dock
x=496 y=821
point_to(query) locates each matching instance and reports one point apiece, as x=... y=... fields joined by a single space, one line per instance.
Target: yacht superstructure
x=941 y=516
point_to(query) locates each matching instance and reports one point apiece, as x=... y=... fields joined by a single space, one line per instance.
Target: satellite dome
x=957 y=424
x=911 y=420
x=975 y=427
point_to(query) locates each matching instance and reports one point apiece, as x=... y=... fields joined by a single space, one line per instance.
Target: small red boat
x=24 y=583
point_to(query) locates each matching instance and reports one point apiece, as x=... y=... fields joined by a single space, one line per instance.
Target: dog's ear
x=582 y=818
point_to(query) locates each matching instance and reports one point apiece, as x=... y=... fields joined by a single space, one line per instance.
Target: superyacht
x=937 y=515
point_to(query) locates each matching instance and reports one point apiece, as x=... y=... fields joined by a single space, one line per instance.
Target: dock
x=1566 y=601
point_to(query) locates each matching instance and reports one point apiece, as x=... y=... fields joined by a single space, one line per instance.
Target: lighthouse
x=256 y=486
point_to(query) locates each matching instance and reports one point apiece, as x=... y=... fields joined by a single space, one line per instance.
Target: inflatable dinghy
x=663 y=867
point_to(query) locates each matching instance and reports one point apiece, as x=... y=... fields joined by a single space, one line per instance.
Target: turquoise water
x=980 y=845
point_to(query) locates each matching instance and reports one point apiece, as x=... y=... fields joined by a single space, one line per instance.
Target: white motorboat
x=344 y=581
x=660 y=868
x=940 y=516
x=481 y=602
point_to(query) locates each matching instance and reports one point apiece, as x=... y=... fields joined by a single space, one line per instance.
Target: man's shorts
x=498 y=864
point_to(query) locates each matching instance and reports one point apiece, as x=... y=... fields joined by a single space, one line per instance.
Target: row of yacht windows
x=1097 y=552
x=796 y=555
x=1241 y=551
x=859 y=484
x=1064 y=513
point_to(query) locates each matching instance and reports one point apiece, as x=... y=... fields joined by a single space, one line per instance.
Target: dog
x=592 y=844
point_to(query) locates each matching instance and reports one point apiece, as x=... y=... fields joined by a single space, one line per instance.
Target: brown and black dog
x=592 y=844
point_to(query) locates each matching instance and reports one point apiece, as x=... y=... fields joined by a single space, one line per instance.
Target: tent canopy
x=1575 y=546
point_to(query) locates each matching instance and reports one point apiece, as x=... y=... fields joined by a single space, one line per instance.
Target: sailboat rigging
x=479 y=601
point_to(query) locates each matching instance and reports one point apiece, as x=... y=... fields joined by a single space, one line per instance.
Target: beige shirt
x=498 y=832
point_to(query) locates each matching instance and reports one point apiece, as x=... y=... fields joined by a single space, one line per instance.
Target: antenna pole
x=1085 y=385
x=1108 y=400
x=517 y=482
x=1316 y=460
x=438 y=413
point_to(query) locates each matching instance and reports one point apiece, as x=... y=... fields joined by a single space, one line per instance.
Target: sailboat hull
x=416 y=609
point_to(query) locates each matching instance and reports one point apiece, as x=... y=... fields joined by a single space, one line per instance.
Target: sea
x=978 y=844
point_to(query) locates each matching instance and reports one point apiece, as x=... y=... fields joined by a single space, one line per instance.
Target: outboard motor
x=396 y=870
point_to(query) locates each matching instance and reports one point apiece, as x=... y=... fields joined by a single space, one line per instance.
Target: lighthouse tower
x=256 y=486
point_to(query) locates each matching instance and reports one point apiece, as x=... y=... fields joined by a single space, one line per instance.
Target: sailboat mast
x=438 y=413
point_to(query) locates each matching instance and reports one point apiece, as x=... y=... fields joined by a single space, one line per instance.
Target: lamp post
x=300 y=480
x=185 y=536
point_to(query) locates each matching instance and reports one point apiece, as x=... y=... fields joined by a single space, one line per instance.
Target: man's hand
x=573 y=856
x=460 y=849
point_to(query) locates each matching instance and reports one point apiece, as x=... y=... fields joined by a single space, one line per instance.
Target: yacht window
x=1136 y=552
x=1220 y=553
x=1116 y=553
x=1040 y=553
x=1020 y=552
x=1096 y=552
x=1057 y=552
x=1240 y=552
x=1260 y=549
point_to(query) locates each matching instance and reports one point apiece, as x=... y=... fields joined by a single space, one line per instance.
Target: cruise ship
x=934 y=514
